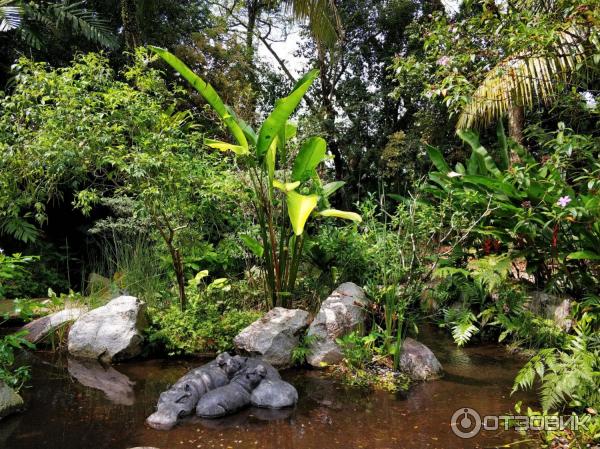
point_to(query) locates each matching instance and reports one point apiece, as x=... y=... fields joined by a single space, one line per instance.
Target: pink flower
x=444 y=60
x=563 y=201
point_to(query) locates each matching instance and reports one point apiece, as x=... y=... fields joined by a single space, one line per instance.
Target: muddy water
x=74 y=405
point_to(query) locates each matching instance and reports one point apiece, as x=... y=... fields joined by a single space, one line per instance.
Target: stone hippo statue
x=232 y=397
x=181 y=399
x=256 y=383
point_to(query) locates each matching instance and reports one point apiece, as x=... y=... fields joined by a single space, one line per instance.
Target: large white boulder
x=273 y=337
x=341 y=313
x=109 y=333
x=418 y=361
x=10 y=401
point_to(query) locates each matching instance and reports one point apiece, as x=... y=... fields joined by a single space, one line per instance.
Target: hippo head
x=253 y=376
x=173 y=404
x=231 y=365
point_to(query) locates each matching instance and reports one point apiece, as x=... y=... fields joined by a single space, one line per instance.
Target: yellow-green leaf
x=208 y=92
x=285 y=187
x=341 y=214
x=299 y=209
x=225 y=146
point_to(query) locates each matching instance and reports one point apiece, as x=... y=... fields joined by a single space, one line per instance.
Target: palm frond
x=323 y=18
x=11 y=15
x=523 y=80
x=75 y=16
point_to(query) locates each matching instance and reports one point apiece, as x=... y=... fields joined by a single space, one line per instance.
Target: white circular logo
x=466 y=423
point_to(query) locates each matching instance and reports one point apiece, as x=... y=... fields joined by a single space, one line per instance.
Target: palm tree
x=36 y=21
x=10 y=15
x=323 y=18
x=523 y=80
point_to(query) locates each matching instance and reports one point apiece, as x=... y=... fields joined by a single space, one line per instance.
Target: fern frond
x=462 y=323
x=19 y=228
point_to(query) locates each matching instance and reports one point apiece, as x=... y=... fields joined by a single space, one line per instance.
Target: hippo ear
x=222 y=359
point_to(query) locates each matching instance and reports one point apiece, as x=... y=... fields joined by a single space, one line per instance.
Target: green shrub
x=208 y=325
x=13 y=377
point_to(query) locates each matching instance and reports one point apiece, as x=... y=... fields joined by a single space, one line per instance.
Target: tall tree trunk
x=253 y=11
x=330 y=114
x=131 y=28
x=253 y=8
x=516 y=123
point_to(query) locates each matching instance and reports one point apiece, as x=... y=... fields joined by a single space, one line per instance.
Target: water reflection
x=117 y=387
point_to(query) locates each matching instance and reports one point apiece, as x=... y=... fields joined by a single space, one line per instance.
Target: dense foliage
x=201 y=177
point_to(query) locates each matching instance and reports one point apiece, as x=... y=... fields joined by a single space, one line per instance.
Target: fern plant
x=462 y=322
x=569 y=377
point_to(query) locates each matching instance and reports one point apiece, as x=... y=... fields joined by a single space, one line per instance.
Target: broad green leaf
x=253 y=245
x=485 y=161
x=494 y=184
x=310 y=156
x=332 y=187
x=270 y=160
x=285 y=187
x=299 y=209
x=247 y=129
x=438 y=159
x=283 y=109
x=286 y=133
x=341 y=214
x=207 y=91
x=225 y=146
x=291 y=129
x=584 y=255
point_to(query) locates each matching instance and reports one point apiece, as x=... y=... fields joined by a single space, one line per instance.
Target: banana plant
x=283 y=204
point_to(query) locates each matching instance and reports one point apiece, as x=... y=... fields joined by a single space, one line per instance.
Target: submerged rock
x=109 y=333
x=39 y=329
x=10 y=401
x=273 y=337
x=418 y=361
x=341 y=313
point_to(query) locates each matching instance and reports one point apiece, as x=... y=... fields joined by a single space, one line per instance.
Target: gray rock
x=232 y=397
x=273 y=337
x=552 y=307
x=117 y=387
x=341 y=313
x=42 y=327
x=109 y=333
x=418 y=361
x=274 y=394
x=10 y=401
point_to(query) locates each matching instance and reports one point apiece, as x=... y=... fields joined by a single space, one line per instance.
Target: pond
x=76 y=405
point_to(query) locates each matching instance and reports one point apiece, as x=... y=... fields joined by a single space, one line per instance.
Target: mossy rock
x=10 y=401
